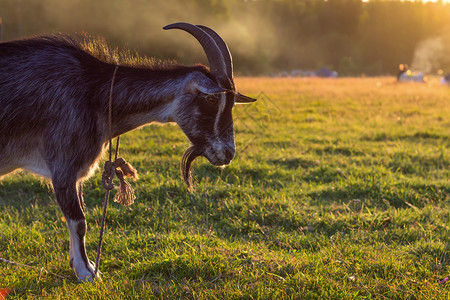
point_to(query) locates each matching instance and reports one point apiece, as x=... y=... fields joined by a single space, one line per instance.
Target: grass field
x=339 y=190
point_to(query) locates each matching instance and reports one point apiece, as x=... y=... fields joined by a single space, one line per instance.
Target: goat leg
x=70 y=200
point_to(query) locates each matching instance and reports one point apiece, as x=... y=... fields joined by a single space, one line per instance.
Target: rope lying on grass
x=42 y=269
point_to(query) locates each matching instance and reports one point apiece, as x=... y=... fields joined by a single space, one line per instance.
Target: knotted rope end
x=127 y=169
x=125 y=195
x=121 y=169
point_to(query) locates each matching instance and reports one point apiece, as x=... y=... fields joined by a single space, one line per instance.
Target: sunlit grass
x=340 y=189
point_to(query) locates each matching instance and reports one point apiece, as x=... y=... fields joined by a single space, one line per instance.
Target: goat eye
x=212 y=100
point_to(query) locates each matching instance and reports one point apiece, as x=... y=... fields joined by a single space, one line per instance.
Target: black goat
x=54 y=113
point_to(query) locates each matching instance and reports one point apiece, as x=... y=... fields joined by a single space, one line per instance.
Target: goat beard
x=189 y=155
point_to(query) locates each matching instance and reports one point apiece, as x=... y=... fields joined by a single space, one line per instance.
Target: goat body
x=54 y=116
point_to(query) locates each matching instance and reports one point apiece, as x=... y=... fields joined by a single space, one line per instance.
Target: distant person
x=402 y=69
x=446 y=79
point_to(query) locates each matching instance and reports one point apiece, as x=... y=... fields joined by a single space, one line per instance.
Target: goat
x=54 y=113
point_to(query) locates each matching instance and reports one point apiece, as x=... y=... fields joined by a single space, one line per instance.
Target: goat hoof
x=87 y=274
x=88 y=278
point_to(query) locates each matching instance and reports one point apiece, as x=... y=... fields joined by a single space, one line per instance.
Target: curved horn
x=223 y=48
x=215 y=58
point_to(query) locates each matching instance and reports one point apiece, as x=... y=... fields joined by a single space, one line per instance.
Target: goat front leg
x=70 y=199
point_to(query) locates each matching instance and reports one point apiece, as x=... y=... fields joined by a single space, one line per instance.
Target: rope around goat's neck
x=105 y=203
x=110 y=116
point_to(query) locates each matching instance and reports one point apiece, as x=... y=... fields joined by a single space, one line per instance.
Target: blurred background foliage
x=265 y=36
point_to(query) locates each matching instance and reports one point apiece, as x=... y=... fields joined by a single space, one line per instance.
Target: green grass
x=339 y=190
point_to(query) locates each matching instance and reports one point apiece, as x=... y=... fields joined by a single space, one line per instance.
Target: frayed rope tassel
x=122 y=169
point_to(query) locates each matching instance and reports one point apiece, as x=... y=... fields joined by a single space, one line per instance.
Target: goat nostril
x=229 y=154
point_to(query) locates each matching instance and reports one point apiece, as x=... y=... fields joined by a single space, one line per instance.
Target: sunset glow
x=425 y=1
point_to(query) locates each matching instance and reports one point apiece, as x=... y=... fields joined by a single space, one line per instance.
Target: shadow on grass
x=381 y=194
x=341 y=150
x=23 y=191
x=294 y=163
x=413 y=137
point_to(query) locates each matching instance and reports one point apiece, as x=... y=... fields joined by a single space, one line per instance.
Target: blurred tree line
x=265 y=36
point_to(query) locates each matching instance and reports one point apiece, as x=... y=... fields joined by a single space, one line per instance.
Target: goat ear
x=242 y=99
x=216 y=89
x=208 y=87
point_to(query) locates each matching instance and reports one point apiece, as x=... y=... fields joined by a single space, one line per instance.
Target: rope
x=120 y=168
x=110 y=185
x=12 y=263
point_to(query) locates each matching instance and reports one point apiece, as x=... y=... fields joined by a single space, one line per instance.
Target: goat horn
x=228 y=62
x=215 y=58
x=223 y=49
